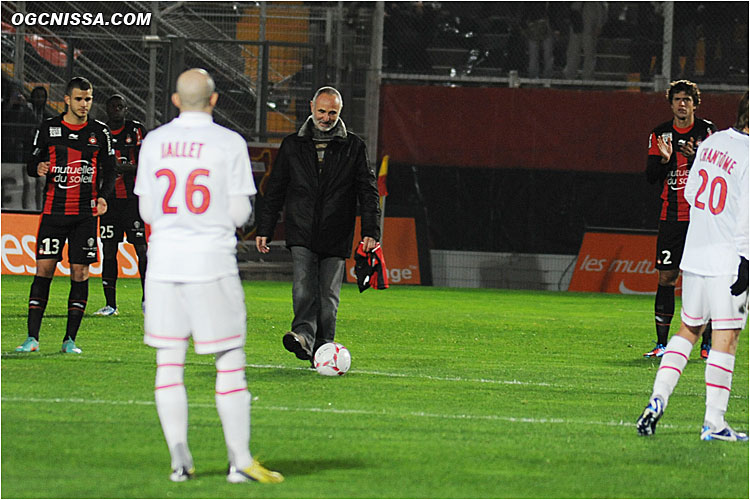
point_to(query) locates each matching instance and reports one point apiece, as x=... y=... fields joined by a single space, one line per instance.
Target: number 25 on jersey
x=191 y=190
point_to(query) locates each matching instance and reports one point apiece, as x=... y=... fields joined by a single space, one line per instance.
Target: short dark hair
x=114 y=97
x=686 y=86
x=40 y=87
x=742 y=120
x=78 y=82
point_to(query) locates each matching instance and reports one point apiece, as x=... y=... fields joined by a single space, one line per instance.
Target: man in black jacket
x=319 y=176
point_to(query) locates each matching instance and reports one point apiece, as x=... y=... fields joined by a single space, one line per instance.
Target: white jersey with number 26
x=189 y=169
x=717 y=190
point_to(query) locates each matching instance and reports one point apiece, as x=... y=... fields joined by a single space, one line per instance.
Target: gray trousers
x=315 y=295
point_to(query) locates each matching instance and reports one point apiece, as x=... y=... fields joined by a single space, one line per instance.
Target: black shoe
x=297 y=344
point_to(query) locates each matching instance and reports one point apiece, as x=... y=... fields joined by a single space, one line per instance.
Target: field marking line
x=382 y=413
x=403 y=375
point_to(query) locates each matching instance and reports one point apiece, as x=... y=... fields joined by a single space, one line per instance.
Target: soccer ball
x=332 y=359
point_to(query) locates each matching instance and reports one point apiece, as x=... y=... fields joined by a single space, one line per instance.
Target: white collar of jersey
x=195 y=116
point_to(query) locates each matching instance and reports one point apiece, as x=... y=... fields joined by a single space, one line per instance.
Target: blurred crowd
x=562 y=39
x=20 y=116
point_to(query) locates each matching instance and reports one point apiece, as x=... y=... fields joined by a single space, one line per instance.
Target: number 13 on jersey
x=197 y=195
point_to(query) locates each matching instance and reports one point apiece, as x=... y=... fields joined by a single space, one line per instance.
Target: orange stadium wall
x=594 y=131
x=617 y=262
x=19 y=248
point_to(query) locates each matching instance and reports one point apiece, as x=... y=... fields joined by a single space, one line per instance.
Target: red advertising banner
x=551 y=129
x=19 y=248
x=399 y=249
x=617 y=263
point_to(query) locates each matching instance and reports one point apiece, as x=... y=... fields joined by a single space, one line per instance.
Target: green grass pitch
x=453 y=393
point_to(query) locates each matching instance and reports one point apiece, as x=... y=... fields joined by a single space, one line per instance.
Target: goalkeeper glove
x=740 y=285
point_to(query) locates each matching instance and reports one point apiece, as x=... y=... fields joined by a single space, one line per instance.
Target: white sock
x=172 y=405
x=672 y=363
x=233 y=405
x=719 y=368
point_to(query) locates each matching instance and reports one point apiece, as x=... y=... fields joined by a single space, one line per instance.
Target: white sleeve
x=242 y=173
x=142 y=188
x=239 y=209
x=693 y=181
x=742 y=233
x=144 y=207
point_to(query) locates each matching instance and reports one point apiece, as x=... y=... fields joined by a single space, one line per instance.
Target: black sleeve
x=107 y=166
x=367 y=195
x=275 y=193
x=656 y=171
x=132 y=168
x=38 y=151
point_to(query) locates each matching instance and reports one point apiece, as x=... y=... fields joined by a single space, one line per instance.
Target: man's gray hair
x=330 y=91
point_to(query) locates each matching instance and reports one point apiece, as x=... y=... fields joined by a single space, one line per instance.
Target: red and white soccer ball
x=332 y=359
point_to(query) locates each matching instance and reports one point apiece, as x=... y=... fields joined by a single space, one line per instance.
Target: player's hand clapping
x=665 y=148
x=688 y=148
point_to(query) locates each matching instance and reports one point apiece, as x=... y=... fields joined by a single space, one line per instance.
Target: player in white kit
x=194 y=185
x=715 y=277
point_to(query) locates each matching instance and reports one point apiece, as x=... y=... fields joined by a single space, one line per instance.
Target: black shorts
x=669 y=244
x=78 y=230
x=122 y=217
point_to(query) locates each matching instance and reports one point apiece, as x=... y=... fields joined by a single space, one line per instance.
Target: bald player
x=194 y=185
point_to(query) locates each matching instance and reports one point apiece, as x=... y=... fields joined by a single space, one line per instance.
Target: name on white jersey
x=718 y=158
x=181 y=149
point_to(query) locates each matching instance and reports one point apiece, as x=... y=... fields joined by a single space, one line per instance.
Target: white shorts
x=707 y=298
x=213 y=312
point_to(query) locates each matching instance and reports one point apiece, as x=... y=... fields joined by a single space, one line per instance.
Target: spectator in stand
x=684 y=41
x=16 y=114
x=33 y=187
x=539 y=35
x=587 y=20
x=408 y=30
x=645 y=49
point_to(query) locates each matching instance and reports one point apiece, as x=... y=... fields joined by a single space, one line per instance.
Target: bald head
x=195 y=91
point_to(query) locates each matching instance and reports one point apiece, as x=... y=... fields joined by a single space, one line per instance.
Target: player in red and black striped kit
x=122 y=215
x=671 y=151
x=75 y=155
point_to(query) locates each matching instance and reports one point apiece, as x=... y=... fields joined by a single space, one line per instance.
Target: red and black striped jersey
x=674 y=173
x=126 y=142
x=81 y=166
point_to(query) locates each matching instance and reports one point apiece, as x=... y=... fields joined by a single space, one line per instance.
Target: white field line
x=420 y=376
x=454 y=379
x=383 y=413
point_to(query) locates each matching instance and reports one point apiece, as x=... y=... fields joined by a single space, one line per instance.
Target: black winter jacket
x=321 y=207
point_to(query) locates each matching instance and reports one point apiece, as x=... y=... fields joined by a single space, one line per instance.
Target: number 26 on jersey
x=197 y=195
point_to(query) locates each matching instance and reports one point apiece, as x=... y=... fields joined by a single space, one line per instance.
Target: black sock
x=663 y=312
x=38 y=297
x=110 y=291
x=109 y=273
x=140 y=251
x=707 y=335
x=79 y=293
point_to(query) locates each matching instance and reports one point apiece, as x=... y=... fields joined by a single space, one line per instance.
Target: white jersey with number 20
x=188 y=170
x=717 y=190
